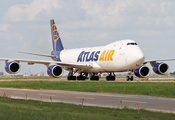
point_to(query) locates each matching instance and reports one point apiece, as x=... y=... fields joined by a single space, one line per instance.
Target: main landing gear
x=70 y=75
x=129 y=76
x=110 y=77
x=82 y=76
x=94 y=77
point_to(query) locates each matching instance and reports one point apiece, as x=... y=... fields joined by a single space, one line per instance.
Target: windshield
x=132 y=44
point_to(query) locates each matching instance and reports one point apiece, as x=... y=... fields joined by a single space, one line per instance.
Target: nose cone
x=135 y=58
x=139 y=58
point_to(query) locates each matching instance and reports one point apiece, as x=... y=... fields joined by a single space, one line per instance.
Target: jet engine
x=55 y=71
x=12 y=67
x=142 y=71
x=160 y=68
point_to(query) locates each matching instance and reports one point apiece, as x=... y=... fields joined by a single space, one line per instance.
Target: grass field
x=31 y=110
x=137 y=88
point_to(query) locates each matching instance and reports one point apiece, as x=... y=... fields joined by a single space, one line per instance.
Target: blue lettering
x=91 y=56
x=87 y=56
x=96 y=55
x=87 y=60
x=80 y=57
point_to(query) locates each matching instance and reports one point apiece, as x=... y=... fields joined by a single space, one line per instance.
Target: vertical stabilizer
x=56 y=40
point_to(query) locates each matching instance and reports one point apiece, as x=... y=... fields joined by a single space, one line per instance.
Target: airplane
x=119 y=56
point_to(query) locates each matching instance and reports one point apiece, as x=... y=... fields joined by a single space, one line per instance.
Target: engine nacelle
x=55 y=71
x=12 y=67
x=142 y=71
x=160 y=68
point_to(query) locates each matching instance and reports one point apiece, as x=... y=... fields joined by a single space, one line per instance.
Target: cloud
x=18 y=36
x=38 y=26
x=4 y=36
x=4 y=27
x=98 y=14
x=29 y=12
x=112 y=14
x=8 y=36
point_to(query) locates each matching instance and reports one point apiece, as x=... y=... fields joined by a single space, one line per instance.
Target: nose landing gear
x=129 y=76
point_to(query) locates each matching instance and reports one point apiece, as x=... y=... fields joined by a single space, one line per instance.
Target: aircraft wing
x=153 y=61
x=64 y=64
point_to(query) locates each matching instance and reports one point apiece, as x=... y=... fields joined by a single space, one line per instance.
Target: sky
x=25 y=26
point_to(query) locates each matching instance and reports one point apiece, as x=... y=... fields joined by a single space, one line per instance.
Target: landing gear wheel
x=71 y=77
x=93 y=77
x=110 y=77
x=81 y=77
x=129 y=78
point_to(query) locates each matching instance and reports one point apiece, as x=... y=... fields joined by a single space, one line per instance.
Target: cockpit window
x=132 y=44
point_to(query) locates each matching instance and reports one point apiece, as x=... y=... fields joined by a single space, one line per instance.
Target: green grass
x=137 y=88
x=31 y=110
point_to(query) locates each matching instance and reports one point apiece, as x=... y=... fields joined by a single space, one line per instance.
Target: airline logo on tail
x=55 y=35
x=106 y=55
x=57 y=44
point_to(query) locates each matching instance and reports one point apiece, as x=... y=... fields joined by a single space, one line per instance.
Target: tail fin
x=57 y=44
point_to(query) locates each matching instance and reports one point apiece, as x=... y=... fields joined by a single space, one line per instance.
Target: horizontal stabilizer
x=38 y=54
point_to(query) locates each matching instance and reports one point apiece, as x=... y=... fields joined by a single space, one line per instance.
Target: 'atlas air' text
x=106 y=55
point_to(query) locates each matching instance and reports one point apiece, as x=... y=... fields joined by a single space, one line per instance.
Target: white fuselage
x=115 y=57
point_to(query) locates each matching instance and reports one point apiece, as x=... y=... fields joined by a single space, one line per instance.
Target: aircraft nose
x=135 y=57
x=139 y=57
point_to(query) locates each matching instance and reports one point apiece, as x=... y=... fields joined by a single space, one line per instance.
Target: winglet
x=57 y=44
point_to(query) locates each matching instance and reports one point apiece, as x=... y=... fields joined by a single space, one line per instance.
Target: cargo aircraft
x=119 y=56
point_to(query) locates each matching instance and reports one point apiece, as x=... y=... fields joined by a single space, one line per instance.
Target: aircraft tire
x=94 y=78
x=68 y=77
x=78 y=77
x=131 y=78
x=73 y=77
x=81 y=77
x=112 y=78
x=107 y=78
x=127 y=78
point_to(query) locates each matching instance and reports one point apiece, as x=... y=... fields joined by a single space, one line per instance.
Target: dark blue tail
x=57 y=44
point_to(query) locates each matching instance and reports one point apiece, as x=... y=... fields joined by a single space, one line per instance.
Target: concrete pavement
x=95 y=99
